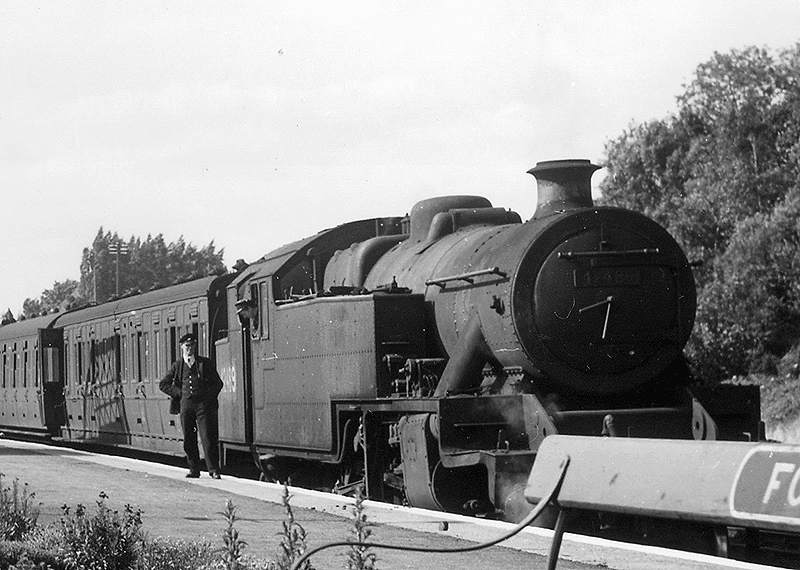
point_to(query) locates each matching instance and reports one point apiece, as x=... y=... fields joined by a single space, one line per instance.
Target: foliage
x=234 y=545
x=18 y=512
x=293 y=539
x=171 y=554
x=52 y=300
x=113 y=267
x=45 y=538
x=104 y=541
x=7 y=318
x=749 y=316
x=108 y=540
x=48 y=546
x=360 y=556
x=723 y=176
x=23 y=555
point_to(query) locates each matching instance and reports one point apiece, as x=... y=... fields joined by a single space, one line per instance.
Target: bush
x=18 y=513
x=172 y=554
x=24 y=555
x=109 y=540
x=105 y=541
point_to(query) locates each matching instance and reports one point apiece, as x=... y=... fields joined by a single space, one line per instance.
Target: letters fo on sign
x=767 y=485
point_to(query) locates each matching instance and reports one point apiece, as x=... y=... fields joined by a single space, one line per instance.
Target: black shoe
x=215 y=475
x=193 y=475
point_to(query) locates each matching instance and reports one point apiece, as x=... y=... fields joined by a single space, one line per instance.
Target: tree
x=113 y=267
x=749 y=315
x=31 y=308
x=62 y=295
x=722 y=175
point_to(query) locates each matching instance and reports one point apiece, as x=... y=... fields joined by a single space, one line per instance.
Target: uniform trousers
x=199 y=417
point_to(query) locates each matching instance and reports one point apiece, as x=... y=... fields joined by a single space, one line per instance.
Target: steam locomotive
x=425 y=357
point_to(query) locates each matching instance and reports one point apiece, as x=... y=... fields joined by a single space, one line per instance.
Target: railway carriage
x=30 y=377
x=116 y=353
x=91 y=375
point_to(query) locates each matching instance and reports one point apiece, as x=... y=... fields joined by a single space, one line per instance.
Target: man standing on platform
x=194 y=383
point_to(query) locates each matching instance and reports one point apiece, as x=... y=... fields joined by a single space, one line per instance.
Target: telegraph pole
x=116 y=249
x=93 y=261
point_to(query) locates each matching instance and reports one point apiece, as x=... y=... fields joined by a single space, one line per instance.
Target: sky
x=256 y=123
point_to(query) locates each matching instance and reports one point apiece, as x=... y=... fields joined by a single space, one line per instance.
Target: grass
x=107 y=539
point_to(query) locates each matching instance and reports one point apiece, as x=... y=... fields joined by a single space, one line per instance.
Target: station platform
x=191 y=509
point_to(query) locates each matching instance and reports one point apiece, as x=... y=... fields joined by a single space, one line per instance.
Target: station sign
x=767 y=485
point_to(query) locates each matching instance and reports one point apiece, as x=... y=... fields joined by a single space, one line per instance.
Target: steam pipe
x=466 y=362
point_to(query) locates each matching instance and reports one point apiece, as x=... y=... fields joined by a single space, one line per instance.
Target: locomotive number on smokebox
x=608 y=277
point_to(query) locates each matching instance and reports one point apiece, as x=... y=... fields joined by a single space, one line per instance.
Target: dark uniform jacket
x=200 y=382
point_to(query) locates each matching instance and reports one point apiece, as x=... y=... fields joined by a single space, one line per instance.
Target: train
x=422 y=357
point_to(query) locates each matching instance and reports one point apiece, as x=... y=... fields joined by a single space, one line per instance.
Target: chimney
x=563 y=185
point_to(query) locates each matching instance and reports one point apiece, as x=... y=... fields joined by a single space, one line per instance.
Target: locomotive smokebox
x=563 y=185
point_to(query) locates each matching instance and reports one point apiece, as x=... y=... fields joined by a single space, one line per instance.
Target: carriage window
x=296 y=283
x=107 y=359
x=79 y=347
x=80 y=375
x=73 y=371
x=141 y=359
x=147 y=358
x=255 y=322
x=93 y=361
x=263 y=305
x=78 y=362
x=15 y=356
x=51 y=371
x=67 y=358
x=25 y=366
x=158 y=362
x=83 y=350
x=127 y=360
x=123 y=356
x=173 y=344
x=136 y=349
x=116 y=361
x=87 y=362
x=196 y=332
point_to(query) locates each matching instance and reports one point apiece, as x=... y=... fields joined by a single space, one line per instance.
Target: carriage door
x=51 y=346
